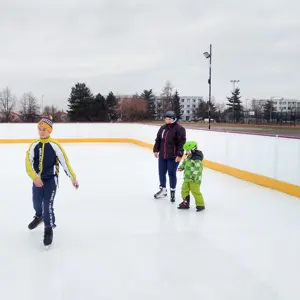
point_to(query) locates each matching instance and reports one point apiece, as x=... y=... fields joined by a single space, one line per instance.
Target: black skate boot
x=185 y=204
x=200 y=208
x=161 y=193
x=48 y=236
x=35 y=223
x=172 y=196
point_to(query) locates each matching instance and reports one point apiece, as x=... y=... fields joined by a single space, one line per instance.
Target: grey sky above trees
x=126 y=46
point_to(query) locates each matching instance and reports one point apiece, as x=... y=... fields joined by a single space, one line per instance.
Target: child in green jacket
x=193 y=167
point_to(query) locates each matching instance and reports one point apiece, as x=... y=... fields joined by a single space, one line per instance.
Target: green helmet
x=191 y=145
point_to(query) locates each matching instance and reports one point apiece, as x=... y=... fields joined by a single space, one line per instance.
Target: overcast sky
x=130 y=45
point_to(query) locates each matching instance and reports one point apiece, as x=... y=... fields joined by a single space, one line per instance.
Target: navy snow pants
x=170 y=166
x=43 y=199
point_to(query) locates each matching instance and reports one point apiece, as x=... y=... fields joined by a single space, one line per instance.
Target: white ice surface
x=114 y=241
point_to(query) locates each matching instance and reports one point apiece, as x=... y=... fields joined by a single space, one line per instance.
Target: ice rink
x=115 y=241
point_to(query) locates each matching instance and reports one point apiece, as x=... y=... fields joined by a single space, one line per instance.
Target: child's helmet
x=190 y=145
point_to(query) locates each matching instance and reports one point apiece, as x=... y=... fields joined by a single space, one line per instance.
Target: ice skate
x=185 y=204
x=35 y=223
x=200 y=208
x=48 y=236
x=172 y=199
x=161 y=193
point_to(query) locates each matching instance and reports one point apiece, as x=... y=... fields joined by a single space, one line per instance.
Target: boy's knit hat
x=46 y=122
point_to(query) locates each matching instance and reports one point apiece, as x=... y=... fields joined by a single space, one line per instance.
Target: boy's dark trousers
x=43 y=199
x=170 y=166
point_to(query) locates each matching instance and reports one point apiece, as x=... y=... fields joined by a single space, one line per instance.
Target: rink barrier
x=261 y=180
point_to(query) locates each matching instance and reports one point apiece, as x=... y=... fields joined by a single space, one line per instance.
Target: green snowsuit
x=193 y=167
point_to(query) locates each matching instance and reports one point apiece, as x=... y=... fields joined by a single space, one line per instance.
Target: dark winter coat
x=170 y=140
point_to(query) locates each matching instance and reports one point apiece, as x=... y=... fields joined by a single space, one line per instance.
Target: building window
x=187 y=111
x=182 y=100
x=188 y=106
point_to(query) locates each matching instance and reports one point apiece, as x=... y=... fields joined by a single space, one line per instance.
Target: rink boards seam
x=268 y=182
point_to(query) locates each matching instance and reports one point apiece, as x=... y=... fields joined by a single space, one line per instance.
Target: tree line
x=29 y=109
x=84 y=106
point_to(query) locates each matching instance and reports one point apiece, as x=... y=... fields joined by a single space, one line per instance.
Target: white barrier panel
x=277 y=158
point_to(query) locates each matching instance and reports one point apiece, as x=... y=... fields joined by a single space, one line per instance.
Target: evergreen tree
x=100 y=109
x=194 y=115
x=112 y=107
x=235 y=106
x=80 y=103
x=213 y=110
x=201 y=110
x=269 y=111
x=176 y=106
x=150 y=98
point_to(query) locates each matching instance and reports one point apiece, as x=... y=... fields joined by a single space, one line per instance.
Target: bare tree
x=134 y=109
x=258 y=109
x=7 y=104
x=220 y=111
x=29 y=108
x=167 y=96
x=47 y=110
x=51 y=111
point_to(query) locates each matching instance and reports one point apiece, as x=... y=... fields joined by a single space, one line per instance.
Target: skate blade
x=47 y=247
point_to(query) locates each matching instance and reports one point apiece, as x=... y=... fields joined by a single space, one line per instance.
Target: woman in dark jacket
x=168 y=149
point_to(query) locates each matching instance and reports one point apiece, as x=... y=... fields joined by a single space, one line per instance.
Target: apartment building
x=189 y=104
x=280 y=104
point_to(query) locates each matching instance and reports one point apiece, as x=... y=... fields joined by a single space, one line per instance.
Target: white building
x=188 y=103
x=280 y=104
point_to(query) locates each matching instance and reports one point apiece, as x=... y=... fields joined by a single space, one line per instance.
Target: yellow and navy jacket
x=43 y=158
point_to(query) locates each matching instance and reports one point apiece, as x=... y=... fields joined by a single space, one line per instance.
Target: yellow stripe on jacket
x=29 y=160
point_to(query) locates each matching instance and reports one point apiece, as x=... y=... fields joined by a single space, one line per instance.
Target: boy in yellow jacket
x=42 y=165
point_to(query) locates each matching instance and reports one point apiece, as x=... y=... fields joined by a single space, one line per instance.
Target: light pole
x=209 y=55
x=42 y=104
x=234 y=82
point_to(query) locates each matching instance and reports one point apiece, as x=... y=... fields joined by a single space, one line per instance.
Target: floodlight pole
x=209 y=83
x=209 y=55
